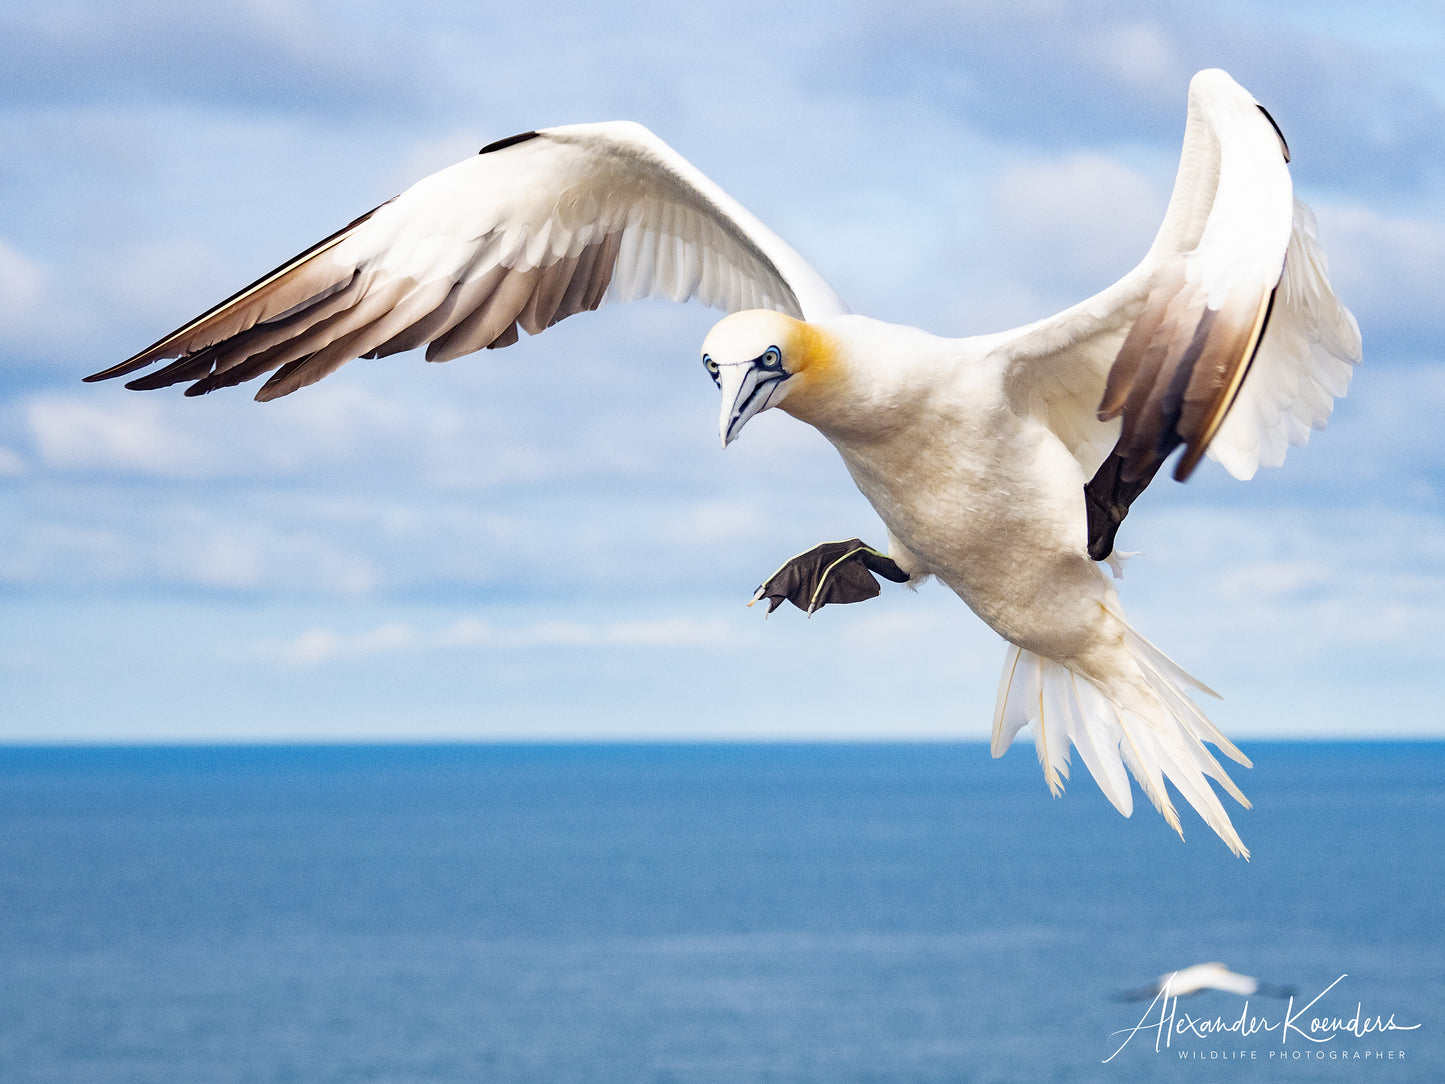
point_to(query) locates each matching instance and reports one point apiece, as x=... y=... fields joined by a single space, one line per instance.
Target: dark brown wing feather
x=298 y=282
x=1175 y=377
x=1178 y=372
x=308 y=317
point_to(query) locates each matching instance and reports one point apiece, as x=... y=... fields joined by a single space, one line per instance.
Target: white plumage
x=1000 y=464
x=1197 y=978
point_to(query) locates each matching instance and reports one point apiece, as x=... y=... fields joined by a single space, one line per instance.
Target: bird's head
x=759 y=358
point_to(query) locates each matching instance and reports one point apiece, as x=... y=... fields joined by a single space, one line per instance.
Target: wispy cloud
x=1078 y=74
x=254 y=54
x=1324 y=590
x=1391 y=267
x=21 y=284
x=321 y=646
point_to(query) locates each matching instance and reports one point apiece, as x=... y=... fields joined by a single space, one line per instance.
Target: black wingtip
x=1283 y=144
x=129 y=365
x=510 y=141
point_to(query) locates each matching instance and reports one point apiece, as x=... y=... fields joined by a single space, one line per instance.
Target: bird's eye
x=772 y=358
x=711 y=367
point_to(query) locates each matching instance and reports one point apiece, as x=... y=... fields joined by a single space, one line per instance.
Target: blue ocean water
x=679 y=913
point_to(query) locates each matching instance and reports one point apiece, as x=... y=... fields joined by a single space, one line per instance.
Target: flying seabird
x=1001 y=464
x=1201 y=977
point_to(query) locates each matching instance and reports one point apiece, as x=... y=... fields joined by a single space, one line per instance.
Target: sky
x=546 y=542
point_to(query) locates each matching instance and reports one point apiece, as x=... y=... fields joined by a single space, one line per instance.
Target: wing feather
x=1227 y=338
x=536 y=228
x=490 y=319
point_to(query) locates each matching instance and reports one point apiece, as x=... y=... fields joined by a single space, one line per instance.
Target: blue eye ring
x=772 y=358
x=711 y=367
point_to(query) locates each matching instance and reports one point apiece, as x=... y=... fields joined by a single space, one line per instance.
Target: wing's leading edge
x=533 y=229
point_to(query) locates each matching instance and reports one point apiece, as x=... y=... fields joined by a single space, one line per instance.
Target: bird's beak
x=747 y=389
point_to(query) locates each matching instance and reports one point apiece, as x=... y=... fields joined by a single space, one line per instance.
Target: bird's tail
x=1151 y=725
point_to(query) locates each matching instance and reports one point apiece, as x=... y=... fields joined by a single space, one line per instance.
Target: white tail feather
x=1056 y=723
x=1010 y=713
x=1150 y=725
x=1100 y=753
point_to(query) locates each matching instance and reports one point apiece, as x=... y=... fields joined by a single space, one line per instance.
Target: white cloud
x=1049 y=232
x=1266 y=592
x=144 y=282
x=98 y=545
x=34 y=318
x=321 y=646
x=200 y=552
x=1080 y=217
x=1139 y=53
x=21 y=284
x=253 y=52
x=712 y=521
x=163 y=435
x=589 y=400
x=1389 y=269
x=127 y=435
x=44 y=552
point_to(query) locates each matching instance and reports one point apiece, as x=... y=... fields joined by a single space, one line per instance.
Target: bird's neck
x=850 y=386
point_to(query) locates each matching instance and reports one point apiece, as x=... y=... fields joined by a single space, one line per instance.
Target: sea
x=705 y=913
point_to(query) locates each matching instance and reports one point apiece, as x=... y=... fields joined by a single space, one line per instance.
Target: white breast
x=988 y=500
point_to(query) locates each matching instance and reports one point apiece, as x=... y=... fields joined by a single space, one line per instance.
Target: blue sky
x=547 y=541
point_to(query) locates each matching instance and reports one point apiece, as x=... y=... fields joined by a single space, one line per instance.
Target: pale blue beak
x=747 y=389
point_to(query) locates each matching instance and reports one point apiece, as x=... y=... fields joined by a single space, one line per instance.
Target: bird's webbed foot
x=1107 y=498
x=833 y=572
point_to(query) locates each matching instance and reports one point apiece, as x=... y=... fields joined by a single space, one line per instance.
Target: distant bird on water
x=1201 y=977
x=1001 y=464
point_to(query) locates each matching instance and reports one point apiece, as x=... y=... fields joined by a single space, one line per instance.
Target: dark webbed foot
x=833 y=572
x=1107 y=498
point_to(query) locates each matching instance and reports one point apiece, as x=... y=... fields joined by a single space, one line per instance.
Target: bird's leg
x=833 y=572
x=1107 y=498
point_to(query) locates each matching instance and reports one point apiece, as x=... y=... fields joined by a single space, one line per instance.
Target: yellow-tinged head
x=759 y=358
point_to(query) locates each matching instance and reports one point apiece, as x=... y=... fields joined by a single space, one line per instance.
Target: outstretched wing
x=1226 y=339
x=531 y=230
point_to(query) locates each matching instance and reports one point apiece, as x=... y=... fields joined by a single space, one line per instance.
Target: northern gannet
x=1200 y=977
x=1000 y=464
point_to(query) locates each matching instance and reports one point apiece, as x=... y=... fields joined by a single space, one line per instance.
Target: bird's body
x=979 y=491
x=926 y=430
x=1002 y=464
